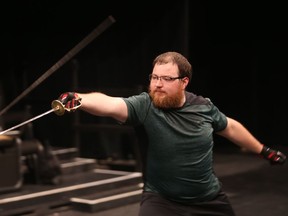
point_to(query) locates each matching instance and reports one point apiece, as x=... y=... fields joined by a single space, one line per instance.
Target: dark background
x=238 y=52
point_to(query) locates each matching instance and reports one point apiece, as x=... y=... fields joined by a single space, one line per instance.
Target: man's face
x=165 y=93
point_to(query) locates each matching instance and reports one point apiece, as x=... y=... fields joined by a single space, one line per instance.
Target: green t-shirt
x=180 y=141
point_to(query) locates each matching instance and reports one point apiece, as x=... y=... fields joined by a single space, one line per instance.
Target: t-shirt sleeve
x=219 y=118
x=138 y=108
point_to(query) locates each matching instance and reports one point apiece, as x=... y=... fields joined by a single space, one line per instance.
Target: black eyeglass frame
x=165 y=78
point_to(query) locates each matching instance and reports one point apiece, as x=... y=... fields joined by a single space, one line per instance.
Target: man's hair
x=185 y=68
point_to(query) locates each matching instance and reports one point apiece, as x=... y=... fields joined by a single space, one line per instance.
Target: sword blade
x=29 y=120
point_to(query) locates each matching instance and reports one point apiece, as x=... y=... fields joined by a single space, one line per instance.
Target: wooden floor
x=253 y=185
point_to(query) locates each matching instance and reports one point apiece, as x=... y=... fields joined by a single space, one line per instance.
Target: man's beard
x=166 y=101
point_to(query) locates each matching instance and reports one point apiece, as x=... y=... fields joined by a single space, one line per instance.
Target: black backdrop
x=238 y=53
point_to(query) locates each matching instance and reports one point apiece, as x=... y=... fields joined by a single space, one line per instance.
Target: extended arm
x=96 y=103
x=238 y=134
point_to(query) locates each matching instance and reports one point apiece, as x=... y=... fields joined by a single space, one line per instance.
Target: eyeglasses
x=153 y=77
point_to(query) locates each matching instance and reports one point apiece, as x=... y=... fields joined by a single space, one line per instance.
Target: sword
x=57 y=107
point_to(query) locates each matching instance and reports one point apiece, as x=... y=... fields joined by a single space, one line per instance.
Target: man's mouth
x=159 y=91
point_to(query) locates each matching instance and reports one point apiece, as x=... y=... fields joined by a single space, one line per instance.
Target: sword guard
x=58 y=107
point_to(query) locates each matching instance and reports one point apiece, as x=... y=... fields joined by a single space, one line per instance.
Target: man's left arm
x=238 y=134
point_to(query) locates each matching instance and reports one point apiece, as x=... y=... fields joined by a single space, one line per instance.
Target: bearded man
x=179 y=177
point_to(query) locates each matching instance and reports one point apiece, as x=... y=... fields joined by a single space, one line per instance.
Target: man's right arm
x=100 y=104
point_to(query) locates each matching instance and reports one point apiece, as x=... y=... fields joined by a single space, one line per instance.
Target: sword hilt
x=58 y=107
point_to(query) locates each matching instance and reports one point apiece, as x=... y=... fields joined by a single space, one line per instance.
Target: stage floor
x=253 y=185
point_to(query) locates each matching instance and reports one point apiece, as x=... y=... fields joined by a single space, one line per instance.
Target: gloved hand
x=275 y=157
x=70 y=100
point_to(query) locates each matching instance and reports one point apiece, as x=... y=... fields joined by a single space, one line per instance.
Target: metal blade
x=57 y=107
x=26 y=122
x=54 y=109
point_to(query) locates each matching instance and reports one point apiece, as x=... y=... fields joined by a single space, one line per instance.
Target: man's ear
x=185 y=81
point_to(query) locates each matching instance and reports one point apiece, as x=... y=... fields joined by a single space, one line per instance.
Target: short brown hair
x=185 y=68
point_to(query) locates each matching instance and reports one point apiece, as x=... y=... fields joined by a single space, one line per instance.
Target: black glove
x=275 y=157
x=70 y=100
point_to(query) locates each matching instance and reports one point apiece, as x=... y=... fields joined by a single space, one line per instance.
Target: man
x=179 y=178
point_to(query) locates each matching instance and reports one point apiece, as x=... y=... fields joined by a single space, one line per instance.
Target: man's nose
x=159 y=82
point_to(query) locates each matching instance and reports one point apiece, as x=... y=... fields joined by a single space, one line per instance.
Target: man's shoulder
x=195 y=99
